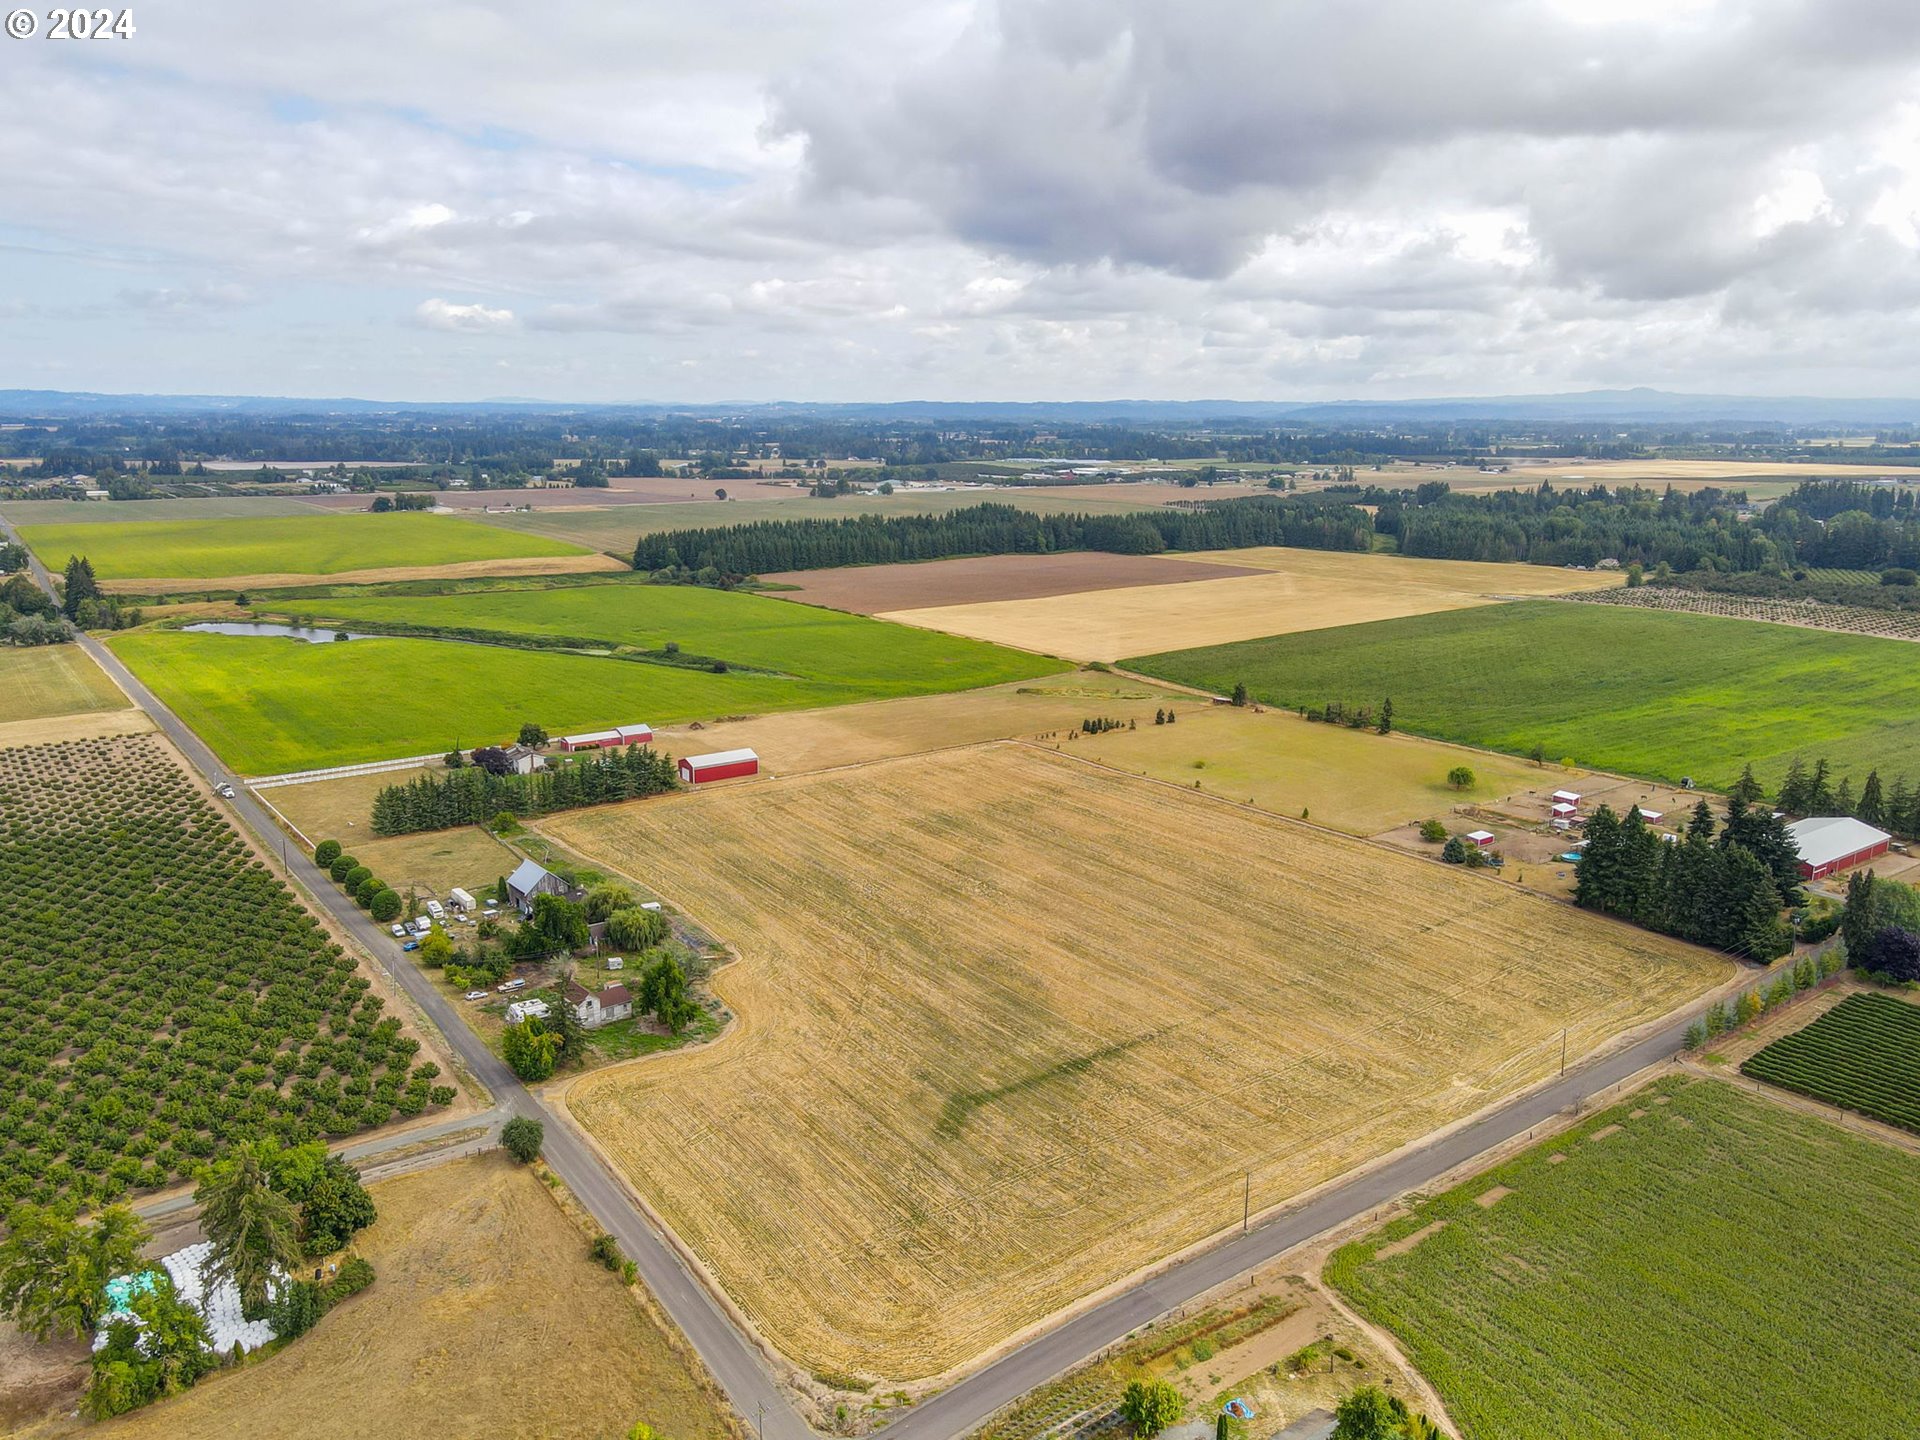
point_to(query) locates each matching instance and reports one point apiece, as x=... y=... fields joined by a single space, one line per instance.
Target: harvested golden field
x=41 y=681
x=487 y=1319
x=869 y=589
x=804 y=740
x=455 y=570
x=1302 y=590
x=1012 y=1026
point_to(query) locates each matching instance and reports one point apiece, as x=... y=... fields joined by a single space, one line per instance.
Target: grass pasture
x=1693 y=1264
x=487 y=1317
x=270 y=705
x=872 y=659
x=1862 y=1055
x=1299 y=590
x=1639 y=692
x=1035 y=1020
x=282 y=546
x=43 y=681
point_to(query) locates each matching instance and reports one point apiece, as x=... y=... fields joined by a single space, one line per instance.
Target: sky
x=1037 y=199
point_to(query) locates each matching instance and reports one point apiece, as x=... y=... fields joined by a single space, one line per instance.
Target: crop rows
x=167 y=994
x=1808 y=614
x=1692 y=1264
x=1862 y=1055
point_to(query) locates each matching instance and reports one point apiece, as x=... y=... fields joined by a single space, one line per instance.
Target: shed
x=590 y=740
x=1482 y=838
x=460 y=898
x=720 y=765
x=1570 y=797
x=1564 y=809
x=1653 y=817
x=1831 y=843
x=634 y=734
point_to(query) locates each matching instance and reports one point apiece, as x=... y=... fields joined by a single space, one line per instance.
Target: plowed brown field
x=1012 y=1026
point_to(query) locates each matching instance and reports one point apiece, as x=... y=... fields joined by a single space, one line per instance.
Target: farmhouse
x=608 y=739
x=532 y=879
x=524 y=759
x=720 y=765
x=1831 y=843
x=602 y=1008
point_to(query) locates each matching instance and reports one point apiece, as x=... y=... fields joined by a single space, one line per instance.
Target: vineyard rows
x=167 y=995
x=1862 y=1055
x=1807 y=614
x=1693 y=1264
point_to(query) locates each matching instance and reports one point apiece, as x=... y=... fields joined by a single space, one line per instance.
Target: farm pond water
x=250 y=627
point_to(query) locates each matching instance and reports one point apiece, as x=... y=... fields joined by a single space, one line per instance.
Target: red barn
x=721 y=765
x=608 y=739
x=1832 y=843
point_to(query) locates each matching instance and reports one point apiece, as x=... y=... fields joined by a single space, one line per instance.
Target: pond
x=257 y=627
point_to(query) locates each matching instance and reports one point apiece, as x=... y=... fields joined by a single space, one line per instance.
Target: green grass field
x=1643 y=692
x=269 y=705
x=280 y=545
x=1864 y=1055
x=48 y=680
x=883 y=659
x=1719 y=1266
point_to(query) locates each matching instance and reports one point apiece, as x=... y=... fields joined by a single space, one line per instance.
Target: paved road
x=729 y=1354
x=952 y=1413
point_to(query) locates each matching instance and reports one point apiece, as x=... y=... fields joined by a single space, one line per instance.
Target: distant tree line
x=472 y=796
x=1726 y=891
x=992 y=529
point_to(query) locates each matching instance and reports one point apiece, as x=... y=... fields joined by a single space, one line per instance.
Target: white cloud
x=844 y=198
x=437 y=314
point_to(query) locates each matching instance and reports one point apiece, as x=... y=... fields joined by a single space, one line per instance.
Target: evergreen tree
x=252 y=1227
x=1385 y=727
x=80 y=586
x=1753 y=924
x=1820 y=790
x=1796 y=791
x=1843 y=801
x=1596 y=876
x=1747 y=788
x=1701 y=826
x=1873 y=806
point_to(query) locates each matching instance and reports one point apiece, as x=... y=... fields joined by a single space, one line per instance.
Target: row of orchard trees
x=265 y=1208
x=991 y=529
x=1723 y=884
x=472 y=796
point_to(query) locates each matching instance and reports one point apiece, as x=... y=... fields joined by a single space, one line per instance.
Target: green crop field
x=1643 y=692
x=882 y=659
x=49 y=680
x=269 y=705
x=1864 y=1055
x=1717 y=1266
x=280 y=545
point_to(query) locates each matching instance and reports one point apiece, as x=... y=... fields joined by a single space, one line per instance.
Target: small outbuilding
x=1482 y=838
x=721 y=765
x=1653 y=817
x=1563 y=810
x=522 y=1010
x=1829 y=844
x=608 y=739
x=461 y=899
x=1567 y=797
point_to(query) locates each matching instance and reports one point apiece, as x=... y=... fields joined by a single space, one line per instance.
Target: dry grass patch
x=458 y=570
x=1012 y=1027
x=1300 y=590
x=487 y=1319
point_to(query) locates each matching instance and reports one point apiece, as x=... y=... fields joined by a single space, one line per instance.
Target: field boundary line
x=337 y=772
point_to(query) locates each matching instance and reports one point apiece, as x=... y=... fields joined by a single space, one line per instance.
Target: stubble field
x=1012 y=1026
x=872 y=589
x=487 y=1318
x=1300 y=590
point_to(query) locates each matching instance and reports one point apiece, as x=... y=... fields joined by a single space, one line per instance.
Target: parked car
x=399 y=931
x=224 y=789
x=476 y=994
x=511 y=985
x=411 y=945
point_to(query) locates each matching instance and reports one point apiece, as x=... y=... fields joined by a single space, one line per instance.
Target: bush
x=355 y=1275
x=326 y=852
x=296 y=1309
x=606 y=1250
x=386 y=906
x=1150 y=1406
x=343 y=866
x=631 y=928
x=1899 y=575
x=1455 y=852
x=354 y=876
x=364 y=892
x=523 y=1138
x=1434 y=832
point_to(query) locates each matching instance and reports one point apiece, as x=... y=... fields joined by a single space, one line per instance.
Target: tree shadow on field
x=961 y=1105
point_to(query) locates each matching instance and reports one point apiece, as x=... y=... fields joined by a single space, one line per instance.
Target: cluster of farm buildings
x=694 y=769
x=1827 y=844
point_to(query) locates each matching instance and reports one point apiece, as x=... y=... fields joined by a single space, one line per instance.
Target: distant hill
x=1594 y=406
